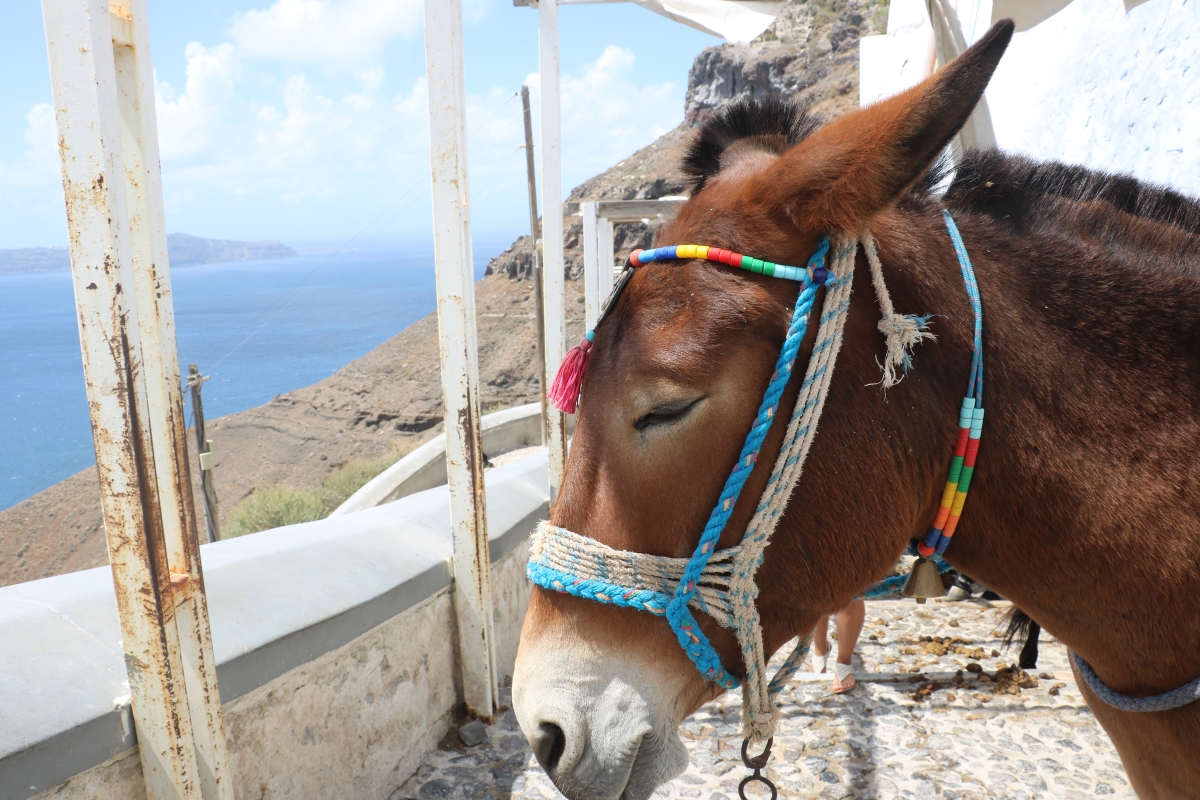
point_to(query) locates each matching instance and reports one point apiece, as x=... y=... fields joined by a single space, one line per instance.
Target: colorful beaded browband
x=564 y=391
x=756 y=265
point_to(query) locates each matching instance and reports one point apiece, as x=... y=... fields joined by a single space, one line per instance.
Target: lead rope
x=759 y=710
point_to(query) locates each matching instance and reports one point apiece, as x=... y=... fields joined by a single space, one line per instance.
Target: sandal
x=820 y=663
x=843 y=678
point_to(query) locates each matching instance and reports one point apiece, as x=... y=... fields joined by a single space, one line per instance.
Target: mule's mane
x=774 y=126
x=1029 y=195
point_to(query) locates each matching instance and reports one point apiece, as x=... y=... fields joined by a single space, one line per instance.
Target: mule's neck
x=1083 y=509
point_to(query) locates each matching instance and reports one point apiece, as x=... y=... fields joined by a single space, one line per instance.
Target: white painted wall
x=1091 y=85
x=1096 y=86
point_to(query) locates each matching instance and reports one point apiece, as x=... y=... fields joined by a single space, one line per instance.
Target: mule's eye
x=666 y=414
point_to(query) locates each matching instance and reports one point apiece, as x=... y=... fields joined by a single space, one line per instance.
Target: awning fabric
x=732 y=20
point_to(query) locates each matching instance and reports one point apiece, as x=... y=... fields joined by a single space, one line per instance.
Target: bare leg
x=849 y=625
x=820 y=635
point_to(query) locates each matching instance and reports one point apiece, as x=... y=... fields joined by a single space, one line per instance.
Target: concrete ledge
x=425 y=467
x=279 y=600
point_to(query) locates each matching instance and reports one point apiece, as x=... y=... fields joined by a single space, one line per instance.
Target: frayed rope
x=568 y=382
x=902 y=332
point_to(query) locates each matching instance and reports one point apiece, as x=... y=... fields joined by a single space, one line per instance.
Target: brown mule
x=1085 y=507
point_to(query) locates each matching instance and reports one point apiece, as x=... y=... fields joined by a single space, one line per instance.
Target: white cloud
x=31 y=202
x=283 y=139
x=40 y=166
x=335 y=33
x=191 y=124
x=604 y=113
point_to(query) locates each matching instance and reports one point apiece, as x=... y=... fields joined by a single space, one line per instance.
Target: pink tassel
x=564 y=392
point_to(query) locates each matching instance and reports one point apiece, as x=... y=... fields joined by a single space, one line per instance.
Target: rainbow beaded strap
x=970 y=420
x=806 y=275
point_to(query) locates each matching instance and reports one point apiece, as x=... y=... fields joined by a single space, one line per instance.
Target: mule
x=1087 y=472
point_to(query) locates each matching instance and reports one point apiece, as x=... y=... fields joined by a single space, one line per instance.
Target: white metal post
x=552 y=229
x=604 y=234
x=459 y=350
x=591 y=265
x=102 y=82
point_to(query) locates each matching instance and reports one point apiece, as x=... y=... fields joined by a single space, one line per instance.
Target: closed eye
x=666 y=415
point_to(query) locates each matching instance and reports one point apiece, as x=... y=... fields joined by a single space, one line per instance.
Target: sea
x=257 y=328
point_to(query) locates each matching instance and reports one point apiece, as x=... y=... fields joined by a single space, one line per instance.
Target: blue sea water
x=259 y=328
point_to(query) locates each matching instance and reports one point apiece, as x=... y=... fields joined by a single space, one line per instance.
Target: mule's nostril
x=548 y=745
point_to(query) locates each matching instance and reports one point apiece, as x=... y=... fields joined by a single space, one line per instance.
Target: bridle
x=721 y=582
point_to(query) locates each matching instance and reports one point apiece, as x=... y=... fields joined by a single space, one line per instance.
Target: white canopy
x=732 y=20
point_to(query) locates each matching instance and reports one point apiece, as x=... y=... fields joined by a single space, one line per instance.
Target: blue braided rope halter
x=691 y=638
x=674 y=605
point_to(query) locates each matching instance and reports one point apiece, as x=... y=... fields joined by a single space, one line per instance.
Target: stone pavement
x=935 y=717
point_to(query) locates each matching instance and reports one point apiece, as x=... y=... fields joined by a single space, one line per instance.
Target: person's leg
x=850 y=625
x=820 y=636
x=820 y=645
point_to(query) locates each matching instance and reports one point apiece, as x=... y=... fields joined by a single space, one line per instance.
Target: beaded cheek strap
x=970 y=420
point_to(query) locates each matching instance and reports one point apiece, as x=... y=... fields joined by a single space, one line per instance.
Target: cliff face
x=810 y=53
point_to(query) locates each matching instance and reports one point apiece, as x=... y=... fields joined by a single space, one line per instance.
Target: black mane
x=1026 y=193
x=773 y=125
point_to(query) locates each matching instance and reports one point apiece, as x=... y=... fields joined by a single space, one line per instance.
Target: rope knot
x=902 y=332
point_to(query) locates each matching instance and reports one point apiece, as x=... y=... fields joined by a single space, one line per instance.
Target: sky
x=306 y=120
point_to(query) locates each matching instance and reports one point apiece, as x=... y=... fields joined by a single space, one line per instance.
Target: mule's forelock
x=772 y=126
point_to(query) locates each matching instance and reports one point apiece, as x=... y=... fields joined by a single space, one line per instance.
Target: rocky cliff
x=809 y=54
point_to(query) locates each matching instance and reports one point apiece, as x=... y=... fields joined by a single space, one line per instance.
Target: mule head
x=676 y=376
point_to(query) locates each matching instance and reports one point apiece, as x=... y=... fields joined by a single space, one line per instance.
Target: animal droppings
x=898 y=735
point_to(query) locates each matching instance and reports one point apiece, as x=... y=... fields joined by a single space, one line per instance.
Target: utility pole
x=534 y=239
x=204 y=448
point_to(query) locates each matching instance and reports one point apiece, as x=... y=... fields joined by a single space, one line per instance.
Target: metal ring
x=761 y=779
x=759 y=761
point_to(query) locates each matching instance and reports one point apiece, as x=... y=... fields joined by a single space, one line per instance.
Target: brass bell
x=924 y=581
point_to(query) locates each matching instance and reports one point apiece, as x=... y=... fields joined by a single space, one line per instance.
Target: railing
x=502 y=432
x=105 y=652
x=334 y=650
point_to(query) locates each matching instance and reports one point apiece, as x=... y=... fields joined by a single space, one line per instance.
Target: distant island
x=183 y=250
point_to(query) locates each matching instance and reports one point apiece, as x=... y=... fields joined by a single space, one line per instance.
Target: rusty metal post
x=103 y=89
x=552 y=229
x=535 y=235
x=204 y=453
x=459 y=350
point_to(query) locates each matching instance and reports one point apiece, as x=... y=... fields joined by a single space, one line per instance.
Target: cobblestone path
x=935 y=717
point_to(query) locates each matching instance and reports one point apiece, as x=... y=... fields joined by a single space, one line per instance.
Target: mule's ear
x=858 y=165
